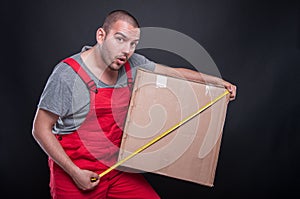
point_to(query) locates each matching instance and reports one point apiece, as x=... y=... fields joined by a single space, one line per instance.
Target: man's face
x=119 y=44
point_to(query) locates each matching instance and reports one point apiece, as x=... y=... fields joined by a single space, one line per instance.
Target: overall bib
x=95 y=145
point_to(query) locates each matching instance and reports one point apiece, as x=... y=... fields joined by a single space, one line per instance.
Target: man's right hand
x=82 y=179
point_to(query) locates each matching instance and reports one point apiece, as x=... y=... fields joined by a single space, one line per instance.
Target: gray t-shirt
x=66 y=95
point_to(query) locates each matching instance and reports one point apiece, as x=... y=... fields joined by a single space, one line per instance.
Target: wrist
x=72 y=169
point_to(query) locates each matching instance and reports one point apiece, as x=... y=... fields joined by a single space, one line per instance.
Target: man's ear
x=100 y=35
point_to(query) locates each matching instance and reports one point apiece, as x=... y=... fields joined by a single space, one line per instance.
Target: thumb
x=95 y=177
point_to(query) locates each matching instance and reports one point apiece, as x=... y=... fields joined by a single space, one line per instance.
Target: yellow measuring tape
x=156 y=139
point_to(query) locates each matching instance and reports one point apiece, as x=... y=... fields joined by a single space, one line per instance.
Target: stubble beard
x=110 y=67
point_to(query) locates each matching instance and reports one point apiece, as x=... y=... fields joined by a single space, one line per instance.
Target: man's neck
x=95 y=64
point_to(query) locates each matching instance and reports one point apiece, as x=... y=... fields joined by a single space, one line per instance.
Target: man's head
x=118 y=38
x=117 y=15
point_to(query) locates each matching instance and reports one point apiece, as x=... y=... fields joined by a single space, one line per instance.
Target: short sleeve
x=57 y=96
x=138 y=60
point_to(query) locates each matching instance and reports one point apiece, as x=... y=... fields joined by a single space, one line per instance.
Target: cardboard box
x=160 y=102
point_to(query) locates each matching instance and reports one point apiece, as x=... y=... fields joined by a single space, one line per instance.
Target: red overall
x=95 y=145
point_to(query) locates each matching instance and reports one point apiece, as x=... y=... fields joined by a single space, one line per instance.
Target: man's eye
x=120 y=39
x=133 y=45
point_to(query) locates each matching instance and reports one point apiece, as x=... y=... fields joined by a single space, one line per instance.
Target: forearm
x=42 y=126
x=196 y=76
x=188 y=74
x=46 y=139
x=53 y=149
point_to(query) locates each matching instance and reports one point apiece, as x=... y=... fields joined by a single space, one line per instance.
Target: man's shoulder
x=63 y=74
x=63 y=70
x=138 y=56
x=138 y=59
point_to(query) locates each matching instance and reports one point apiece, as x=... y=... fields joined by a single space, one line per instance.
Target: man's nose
x=127 y=49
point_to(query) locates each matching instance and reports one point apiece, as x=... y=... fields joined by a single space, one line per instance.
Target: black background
x=255 y=44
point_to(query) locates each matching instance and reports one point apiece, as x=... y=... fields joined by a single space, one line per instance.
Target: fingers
x=232 y=90
x=83 y=180
x=94 y=180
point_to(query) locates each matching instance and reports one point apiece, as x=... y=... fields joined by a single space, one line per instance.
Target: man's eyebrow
x=123 y=35
x=119 y=33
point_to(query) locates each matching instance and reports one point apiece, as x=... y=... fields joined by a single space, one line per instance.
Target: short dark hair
x=116 y=15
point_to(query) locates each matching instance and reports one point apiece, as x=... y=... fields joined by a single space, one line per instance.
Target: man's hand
x=232 y=90
x=82 y=179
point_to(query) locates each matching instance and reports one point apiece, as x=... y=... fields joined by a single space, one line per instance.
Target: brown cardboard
x=158 y=103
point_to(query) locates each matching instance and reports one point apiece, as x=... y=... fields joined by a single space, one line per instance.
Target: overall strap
x=129 y=75
x=90 y=84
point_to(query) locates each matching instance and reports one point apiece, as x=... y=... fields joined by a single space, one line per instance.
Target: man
x=75 y=123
